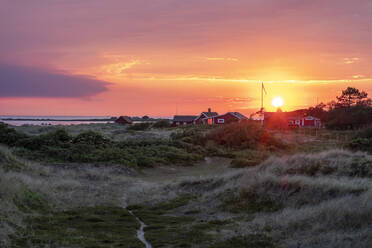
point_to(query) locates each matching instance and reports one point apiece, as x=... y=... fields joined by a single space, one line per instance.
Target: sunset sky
x=159 y=57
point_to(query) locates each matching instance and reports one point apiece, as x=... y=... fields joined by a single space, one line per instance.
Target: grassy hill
x=282 y=197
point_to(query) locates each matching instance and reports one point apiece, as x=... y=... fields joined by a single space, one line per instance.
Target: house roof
x=235 y=114
x=209 y=114
x=124 y=118
x=239 y=115
x=184 y=118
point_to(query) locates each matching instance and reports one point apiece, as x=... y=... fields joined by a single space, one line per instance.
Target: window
x=220 y=120
x=177 y=123
x=185 y=123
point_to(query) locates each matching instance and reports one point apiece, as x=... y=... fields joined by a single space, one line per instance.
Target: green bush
x=9 y=136
x=243 y=135
x=140 y=126
x=243 y=163
x=362 y=140
x=92 y=147
x=28 y=200
x=162 y=124
x=92 y=139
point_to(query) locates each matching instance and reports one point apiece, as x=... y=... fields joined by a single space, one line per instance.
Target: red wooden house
x=295 y=119
x=228 y=118
x=124 y=120
x=204 y=117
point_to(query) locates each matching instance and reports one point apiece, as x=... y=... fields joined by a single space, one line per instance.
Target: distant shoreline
x=48 y=119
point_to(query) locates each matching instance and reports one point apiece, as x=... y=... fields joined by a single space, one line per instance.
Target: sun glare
x=277 y=102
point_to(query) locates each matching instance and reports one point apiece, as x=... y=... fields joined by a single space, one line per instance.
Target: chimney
x=209 y=110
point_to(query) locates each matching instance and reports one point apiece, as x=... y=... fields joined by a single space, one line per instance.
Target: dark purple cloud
x=19 y=81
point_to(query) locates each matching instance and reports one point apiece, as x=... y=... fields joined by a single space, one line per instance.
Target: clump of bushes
x=92 y=147
x=246 y=142
x=362 y=140
x=244 y=135
x=162 y=124
x=9 y=136
x=140 y=126
x=9 y=163
x=238 y=135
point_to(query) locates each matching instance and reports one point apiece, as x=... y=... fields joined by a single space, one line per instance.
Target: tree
x=318 y=111
x=351 y=97
x=353 y=109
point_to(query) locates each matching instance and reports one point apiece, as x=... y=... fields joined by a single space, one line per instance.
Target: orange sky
x=165 y=56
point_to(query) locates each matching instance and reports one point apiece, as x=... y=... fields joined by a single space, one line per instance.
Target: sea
x=54 y=120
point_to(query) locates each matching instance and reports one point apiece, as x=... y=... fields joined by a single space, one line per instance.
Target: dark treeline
x=351 y=110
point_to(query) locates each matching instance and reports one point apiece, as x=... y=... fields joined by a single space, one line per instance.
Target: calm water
x=53 y=120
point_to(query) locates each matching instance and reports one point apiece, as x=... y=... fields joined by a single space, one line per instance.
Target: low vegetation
x=274 y=196
x=148 y=125
x=92 y=147
x=246 y=142
x=362 y=140
x=81 y=227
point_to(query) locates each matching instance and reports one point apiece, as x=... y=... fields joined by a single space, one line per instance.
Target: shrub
x=91 y=147
x=9 y=136
x=243 y=135
x=29 y=200
x=140 y=126
x=362 y=140
x=92 y=139
x=242 y=163
x=162 y=124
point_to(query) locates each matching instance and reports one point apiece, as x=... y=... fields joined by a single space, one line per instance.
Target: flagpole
x=262 y=96
x=262 y=111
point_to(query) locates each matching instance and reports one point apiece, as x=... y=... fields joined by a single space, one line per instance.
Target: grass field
x=307 y=191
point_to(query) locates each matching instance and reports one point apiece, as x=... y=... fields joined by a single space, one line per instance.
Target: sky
x=162 y=57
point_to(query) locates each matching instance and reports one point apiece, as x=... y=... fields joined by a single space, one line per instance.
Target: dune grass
x=318 y=199
x=81 y=227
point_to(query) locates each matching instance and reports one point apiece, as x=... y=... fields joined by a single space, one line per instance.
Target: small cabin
x=183 y=120
x=294 y=119
x=205 y=117
x=228 y=118
x=124 y=120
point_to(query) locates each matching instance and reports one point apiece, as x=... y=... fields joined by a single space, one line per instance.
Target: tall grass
x=93 y=147
x=27 y=189
x=293 y=199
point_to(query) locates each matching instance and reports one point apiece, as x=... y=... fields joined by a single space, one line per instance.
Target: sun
x=277 y=102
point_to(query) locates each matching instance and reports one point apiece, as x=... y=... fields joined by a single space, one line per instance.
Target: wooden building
x=204 y=117
x=124 y=120
x=182 y=120
x=228 y=118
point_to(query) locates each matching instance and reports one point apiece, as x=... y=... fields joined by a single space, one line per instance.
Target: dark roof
x=239 y=115
x=184 y=118
x=124 y=119
x=209 y=114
